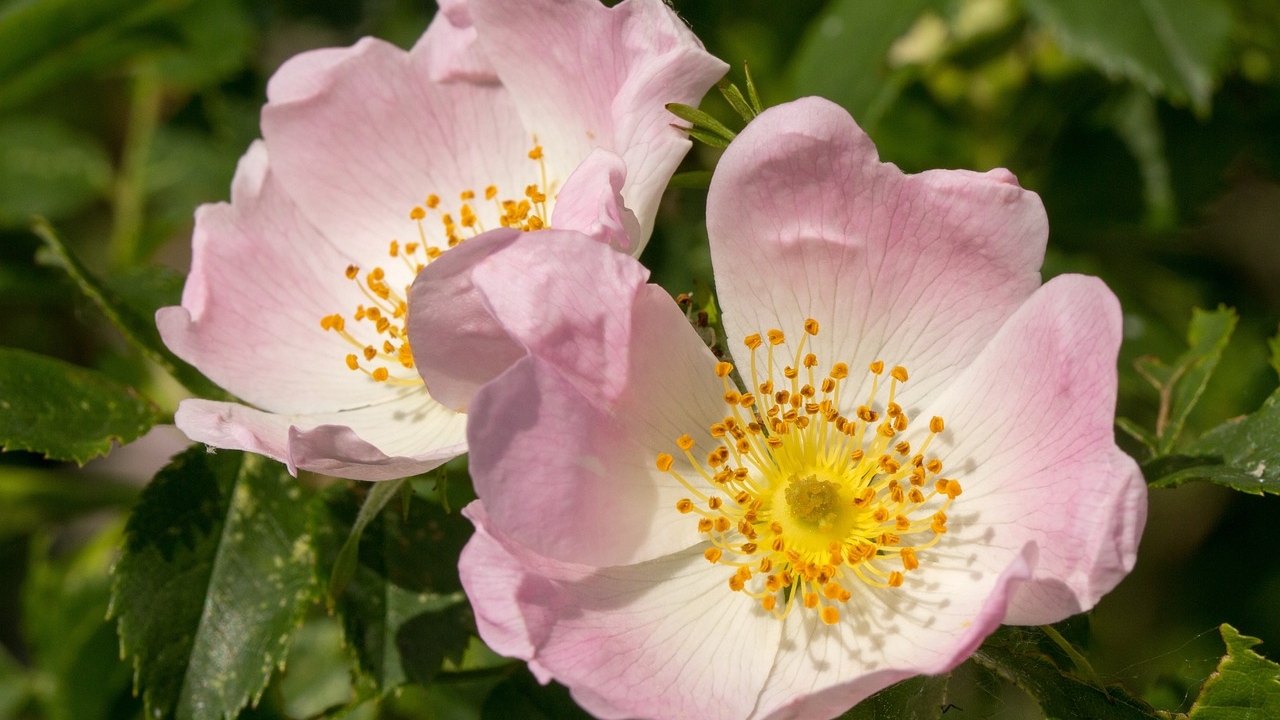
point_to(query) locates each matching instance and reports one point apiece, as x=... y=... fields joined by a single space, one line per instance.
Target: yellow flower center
x=378 y=330
x=804 y=502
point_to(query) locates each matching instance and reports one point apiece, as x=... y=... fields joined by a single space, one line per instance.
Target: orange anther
x=811 y=326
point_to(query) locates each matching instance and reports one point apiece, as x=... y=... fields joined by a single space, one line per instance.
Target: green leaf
x=917 y=698
x=736 y=100
x=217 y=570
x=1019 y=654
x=843 y=55
x=703 y=123
x=136 y=323
x=691 y=180
x=344 y=568
x=1134 y=118
x=403 y=612
x=1246 y=686
x=1243 y=454
x=1171 y=48
x=66 y=412
x=47 y=168
x=1181 y=383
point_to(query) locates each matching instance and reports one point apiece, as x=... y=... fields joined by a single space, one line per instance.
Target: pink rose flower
x=373 y=162
x=913 y=445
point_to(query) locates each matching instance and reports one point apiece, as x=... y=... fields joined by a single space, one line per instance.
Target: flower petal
x=625 y=64
x=376 y=137
x=451 y=48
x=591 y=202
x=659 y=639
x=414 y=435
x=918 y=270
x=564 y=443
x=457 y=344
x=256 y=332
x=1029 y=435
x=927 y=627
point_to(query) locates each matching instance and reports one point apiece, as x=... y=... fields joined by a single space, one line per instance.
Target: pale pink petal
x=457 y=344
x=450 y=45
x=658 y=639
x=927 y=627
x=591 y=203
x=564 y=444
x=413 y=434
x=377 y=137
x=584 y=75
x=1029 y=436
x=918 y=270
x=576 y=315
x=261 y=279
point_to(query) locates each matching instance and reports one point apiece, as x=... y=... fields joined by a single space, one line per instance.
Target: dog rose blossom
x=375 y=161
x=911 y=444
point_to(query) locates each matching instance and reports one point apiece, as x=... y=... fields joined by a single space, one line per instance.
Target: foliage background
x=1149 y=129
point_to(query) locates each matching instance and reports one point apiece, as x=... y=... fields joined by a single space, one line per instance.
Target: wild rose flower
x=373 y=162
x=913 y=445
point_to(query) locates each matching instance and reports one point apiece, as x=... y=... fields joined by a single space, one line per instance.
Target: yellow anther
x=936 y=425
x=353 y=362
x=811 y=326
x=417 y=213
x=466 y=195
x=491 y=192
x=380 y=374
x=876 y=367
x=536 y=153
x=712 y=554
x=811 y=600
x=753 y=341
x=665 y=462
x=909 y=561
x=830 y=615
x=776 y=337
x=684 y=505
x=723 y=369
x=899 y=373
x=839 y=371
x=895 y=579
x=685 y=442
x=433 y=201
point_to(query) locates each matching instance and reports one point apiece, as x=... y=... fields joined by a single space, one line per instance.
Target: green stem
x=1081 y=662
x=129 y=201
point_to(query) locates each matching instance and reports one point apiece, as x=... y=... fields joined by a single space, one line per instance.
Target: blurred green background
x=1151 y=130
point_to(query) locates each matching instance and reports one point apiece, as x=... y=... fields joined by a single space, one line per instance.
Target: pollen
x=378 y=327
x=812 y=493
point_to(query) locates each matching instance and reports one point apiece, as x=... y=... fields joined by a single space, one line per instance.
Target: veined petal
x=414 y=434
x=591 y=202
x=919 y=270
x=451 y=48
x=257 y=332
x=932 y=625
x=1031 y=422
x=627 y=62
x=657 y=635
x=377 y=137
x=564 y=443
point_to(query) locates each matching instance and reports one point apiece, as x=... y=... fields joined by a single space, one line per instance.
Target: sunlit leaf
x=216 y=572
x=48 y=168
x=1242 y=454
x=66 y=412
x=1246 y=686
x=1182 y=382
x=1169 y=47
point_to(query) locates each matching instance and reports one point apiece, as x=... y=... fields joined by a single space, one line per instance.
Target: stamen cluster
x=801 y=499
x=387 y=311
